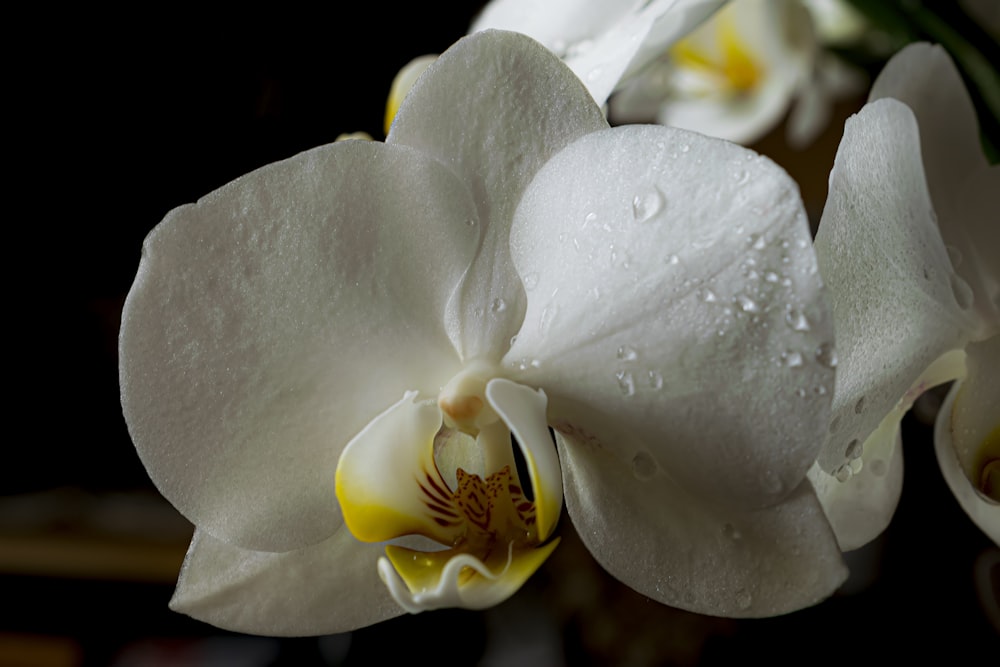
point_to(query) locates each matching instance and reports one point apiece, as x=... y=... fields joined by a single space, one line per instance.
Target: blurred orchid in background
x=389 y=315
x=908 y=248
x=737 y=75
x=604 y=42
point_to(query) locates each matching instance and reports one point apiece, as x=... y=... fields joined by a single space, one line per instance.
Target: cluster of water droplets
x=631 y=376
x=853 y=450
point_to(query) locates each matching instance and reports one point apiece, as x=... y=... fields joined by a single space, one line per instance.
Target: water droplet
x=530 y=281
x=800 y=392
x=826 y=355
x=859 y=407
x=513 y=339
x=747 y=304
x=731 y=532
x=820 y=390
x=835 y=424
x=589 y=218
x=498 y=305
x=709 y=296
x=743 y=599
x=626 y=353
x=654 y=379
x=756 y=241
x=643 y=466
x=962 y=292
x=854 y=450
x=685 y=148
x=646 y=204
x=877 y=467
x=843 y=473
x=741 y=176
x=625 y=382
x=791 y=358
x=856 y=465
x=672 y=260
x=796 y=320
x=594 y=74
x=470 y=223
x=771 y=276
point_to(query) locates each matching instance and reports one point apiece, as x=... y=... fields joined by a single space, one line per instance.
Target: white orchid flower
x=736 y=76
x=377 y=320
x=908 y=246
x=605 y=42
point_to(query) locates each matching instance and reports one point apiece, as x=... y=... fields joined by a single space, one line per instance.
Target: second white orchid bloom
x=378 y=320
x=737 y=75
x=908 y=245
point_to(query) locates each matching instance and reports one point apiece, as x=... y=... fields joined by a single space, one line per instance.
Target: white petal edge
x=674 y=303
x=272 y=320
x=325 y=588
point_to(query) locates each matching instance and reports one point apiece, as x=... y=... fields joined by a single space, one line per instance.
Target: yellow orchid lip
x=390 y=485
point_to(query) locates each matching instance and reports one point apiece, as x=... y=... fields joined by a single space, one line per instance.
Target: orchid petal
x=321 y=589
x=678 y=549
x=674 y=305
x=268 y=324
x=421 y=581
x=388 y=483
x=962 y=186
x=516 y=84
x=560 y=25
x=897 y=304
x=861 y=495
x=523 y=410
x=967 y=437
x=983 y=511
x=859 y=505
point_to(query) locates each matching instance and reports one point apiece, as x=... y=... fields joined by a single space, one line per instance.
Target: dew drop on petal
x=672 y=260
x=626 y=383
x=843 y=473
x=854 y=450
x=647 y=204
x=796 y=320
x=685 y=148
x=771 y=276
x=743 y=599
x=498 y=305
x=859 y=407
x=826 y=355
x=709 y=296
x=513 y=339
x=626 y=353
x=643 y=466
x=531 y=281
x=835 y=424
x=588 y=219
x=654 y=379
x=856 y=465
x=962 y=292
x=791 y=358
x=747 y=304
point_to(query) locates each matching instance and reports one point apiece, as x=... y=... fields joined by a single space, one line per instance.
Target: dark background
x=112 y=127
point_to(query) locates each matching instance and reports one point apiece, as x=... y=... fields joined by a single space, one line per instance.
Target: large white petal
x=897 y=304
x=675 y=312
x=494 y=107
x=684 y=551
x=962 y=186
x=329 y=587
x=272 y=320
x=967 y=437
